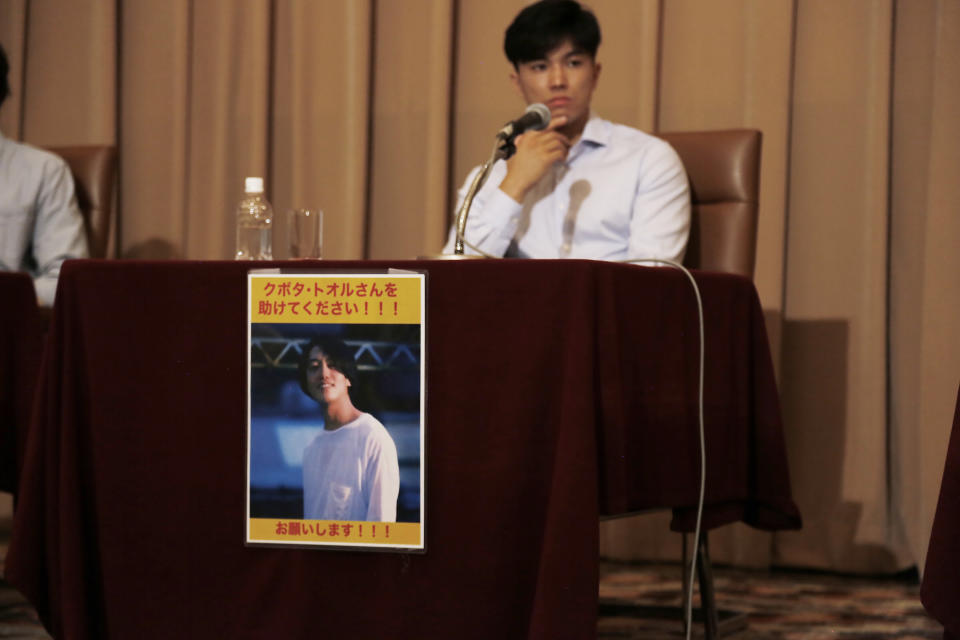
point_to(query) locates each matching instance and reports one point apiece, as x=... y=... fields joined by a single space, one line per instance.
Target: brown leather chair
x=94 y=169
x=724 y=172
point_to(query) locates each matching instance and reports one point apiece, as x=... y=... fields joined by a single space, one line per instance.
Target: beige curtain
x=374 y=110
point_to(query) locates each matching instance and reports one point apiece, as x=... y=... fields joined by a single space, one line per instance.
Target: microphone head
x=535 y=117
x=541 y=110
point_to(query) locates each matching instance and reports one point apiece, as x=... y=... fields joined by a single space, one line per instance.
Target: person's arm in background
x=495 y=214
x=660 y=224
x=493 y=218
x=58 y=233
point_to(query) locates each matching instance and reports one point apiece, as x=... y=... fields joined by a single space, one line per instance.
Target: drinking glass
x=305 y=234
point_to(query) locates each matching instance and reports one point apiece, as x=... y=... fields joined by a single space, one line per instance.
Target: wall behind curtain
x=374 y=110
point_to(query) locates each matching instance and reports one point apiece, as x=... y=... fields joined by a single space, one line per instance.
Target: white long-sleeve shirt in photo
x=351 y=473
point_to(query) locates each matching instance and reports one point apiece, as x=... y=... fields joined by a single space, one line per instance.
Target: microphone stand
x=503 y=148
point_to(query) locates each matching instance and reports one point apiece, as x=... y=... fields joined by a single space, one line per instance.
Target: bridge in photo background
x=370 y=355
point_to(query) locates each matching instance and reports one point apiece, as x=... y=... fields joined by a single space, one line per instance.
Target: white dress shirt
x=621 y=194
x=40 y=224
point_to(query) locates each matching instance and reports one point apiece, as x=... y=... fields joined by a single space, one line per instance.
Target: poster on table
x=335 y=407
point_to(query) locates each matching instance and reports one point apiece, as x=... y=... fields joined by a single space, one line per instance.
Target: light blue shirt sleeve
x=58 y=233
x=660 y=224
x=40 y=223
x=493 y=218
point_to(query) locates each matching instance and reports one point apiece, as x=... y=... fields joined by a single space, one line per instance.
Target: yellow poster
x=335 y=429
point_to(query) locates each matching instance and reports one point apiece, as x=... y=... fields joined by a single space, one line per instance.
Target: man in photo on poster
x=350 y=469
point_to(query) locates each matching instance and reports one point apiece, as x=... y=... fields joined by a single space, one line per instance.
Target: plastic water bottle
x=254 y=223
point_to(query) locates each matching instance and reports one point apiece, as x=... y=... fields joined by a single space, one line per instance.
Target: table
x=20 y=347
x=557 y=391
x=940 y=590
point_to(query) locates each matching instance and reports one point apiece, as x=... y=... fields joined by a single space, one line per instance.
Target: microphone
x=536 y=117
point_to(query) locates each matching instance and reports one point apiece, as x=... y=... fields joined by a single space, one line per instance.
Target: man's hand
x=537 y=151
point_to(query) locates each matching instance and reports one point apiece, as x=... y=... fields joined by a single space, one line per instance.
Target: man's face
x=564 y=81
x=325 y=384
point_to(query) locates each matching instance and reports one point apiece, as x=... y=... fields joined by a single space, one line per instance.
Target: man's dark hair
x=337 y=356
x=4 y=70
x=543 y=26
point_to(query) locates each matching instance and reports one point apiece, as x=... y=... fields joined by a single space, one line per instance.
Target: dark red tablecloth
x=556 y=391
x=20 y=347
x=940 y=590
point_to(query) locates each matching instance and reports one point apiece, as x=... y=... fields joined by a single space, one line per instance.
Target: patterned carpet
x=778 y=605
x=17 y=618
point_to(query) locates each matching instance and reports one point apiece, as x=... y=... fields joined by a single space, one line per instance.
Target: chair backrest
x=94 y=169
x=724 y=172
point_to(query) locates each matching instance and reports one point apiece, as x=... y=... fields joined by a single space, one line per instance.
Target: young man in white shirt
x=350 y=469
x=583 y=187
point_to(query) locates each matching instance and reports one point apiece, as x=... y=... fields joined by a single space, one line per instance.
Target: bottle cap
x=253 y=185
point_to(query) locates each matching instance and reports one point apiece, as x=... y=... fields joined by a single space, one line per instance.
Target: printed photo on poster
x=336 y=400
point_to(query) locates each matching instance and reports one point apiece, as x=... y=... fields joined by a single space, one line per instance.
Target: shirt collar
x=596 y=132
